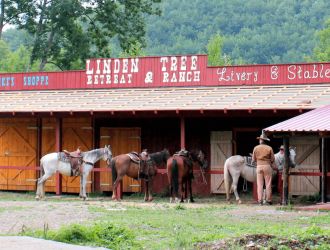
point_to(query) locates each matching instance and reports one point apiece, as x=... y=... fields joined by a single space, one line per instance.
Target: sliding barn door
x=308 y=160
x=122 y=141
x=221 y=149
x=18 y=147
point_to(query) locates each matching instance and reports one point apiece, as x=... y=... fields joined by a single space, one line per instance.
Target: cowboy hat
x=264 y=137
x=282 y=147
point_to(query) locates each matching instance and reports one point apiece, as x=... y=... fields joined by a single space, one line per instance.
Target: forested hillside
x=254 y=31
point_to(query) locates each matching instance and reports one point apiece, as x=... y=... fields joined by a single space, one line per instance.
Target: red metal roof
x=317 y=120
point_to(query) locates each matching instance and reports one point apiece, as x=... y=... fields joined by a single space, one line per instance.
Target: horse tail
x=113 y=170
x=227 y=178
x=175 y=175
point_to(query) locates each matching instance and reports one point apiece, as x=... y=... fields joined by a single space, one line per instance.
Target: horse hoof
x=150 y=199
x=37 y=198
x=239 y=202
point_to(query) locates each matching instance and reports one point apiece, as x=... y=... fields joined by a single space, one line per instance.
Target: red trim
x=19 y=168
x=164 y=171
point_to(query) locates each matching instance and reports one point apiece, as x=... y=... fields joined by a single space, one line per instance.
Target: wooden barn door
x=308 y=160
x=221 y=149
x=48 y=146
x=122 y=141
x=18 y=143
x=77 y=132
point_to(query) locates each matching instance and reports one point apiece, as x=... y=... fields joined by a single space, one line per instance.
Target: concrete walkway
x=29 y=243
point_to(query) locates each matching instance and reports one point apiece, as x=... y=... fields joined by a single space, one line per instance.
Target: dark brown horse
x=145 y=168
x=180 y=172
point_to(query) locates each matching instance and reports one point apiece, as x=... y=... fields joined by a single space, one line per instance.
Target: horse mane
x=194 y=153
x=160 y=157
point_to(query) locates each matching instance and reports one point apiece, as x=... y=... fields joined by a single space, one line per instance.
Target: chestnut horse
x=146 y=169
x=180 y=172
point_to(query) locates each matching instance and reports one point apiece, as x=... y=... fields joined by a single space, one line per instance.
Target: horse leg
x=83 y=178
x=150 y=183
x=234 y=187
x=190 y=190
x=41 y=187
x=228 y=182
x=81 y=189
x=146 y=190
x=114 y=189
x=182 y=186
x=172 y=198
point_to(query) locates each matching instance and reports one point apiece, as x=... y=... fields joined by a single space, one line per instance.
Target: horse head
x=107 y=156
x=292 y=157
x=166 y=154
x=200 y=157
x=280 y=158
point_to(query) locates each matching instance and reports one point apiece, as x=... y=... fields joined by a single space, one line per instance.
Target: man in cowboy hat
x=263 y=155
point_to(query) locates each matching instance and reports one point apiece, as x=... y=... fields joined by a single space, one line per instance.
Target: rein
x=88 y=163
x=203 y=175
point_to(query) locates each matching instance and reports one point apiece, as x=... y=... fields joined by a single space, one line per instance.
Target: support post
x=182 y=133
x=96 y=176
x=286 y=171
x=58 y=145
x=324 y=173
x=39 y=147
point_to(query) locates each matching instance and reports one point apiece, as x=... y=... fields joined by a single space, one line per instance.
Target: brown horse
x=180 y=172
x=144 y=168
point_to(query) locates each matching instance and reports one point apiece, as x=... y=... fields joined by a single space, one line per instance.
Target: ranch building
x=153 y=103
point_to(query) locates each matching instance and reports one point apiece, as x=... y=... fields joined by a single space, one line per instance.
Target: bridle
x=109 y=155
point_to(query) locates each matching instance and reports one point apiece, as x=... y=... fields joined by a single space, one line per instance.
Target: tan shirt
x=263 y=155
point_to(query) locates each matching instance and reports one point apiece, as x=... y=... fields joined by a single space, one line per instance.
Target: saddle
x=249 y=162
x=183 y=152
x=75 y=159
x=143 y=160
x=187 y=160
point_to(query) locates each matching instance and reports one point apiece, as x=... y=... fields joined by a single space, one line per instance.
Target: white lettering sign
x=233 y=76
x=108 y=71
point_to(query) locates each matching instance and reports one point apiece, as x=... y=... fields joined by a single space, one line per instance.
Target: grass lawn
x=133 y=224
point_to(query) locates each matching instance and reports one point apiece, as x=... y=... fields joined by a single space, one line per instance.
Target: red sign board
x=165 y=71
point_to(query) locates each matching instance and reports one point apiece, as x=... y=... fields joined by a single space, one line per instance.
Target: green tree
x=18 y=60
x=214 y=52
x=66 y=32
x=8 y=10
x=322 y=50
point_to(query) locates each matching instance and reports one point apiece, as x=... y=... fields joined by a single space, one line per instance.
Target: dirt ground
x=18 y=213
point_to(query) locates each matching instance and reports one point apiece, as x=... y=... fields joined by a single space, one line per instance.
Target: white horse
x=237 y=165
x=50 y=163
